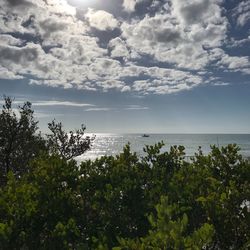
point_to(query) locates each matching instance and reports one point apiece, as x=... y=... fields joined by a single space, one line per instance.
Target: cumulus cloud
x=6 y=39
x=165 y=49
x=125 y=89
x=161 y=80
x=118 y=48
x=101 y=20
x=235 y=63
x=238 y=43
x=242 y=13
x=129 y=5
x=197 y=11
x=7 y=74
x=29 y=59
x=177 y=36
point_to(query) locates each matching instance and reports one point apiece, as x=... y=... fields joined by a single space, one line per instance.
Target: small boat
x=145 y=135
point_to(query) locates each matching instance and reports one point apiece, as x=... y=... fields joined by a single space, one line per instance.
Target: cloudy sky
x=172 y=66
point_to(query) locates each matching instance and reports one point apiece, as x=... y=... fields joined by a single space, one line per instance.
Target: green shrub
x=159 y=201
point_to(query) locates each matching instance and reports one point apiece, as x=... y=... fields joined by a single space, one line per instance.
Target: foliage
x=215 y=189
x=114 y=190
x=67 y=145
x=170 y=232
x=158 y=201
x=43 y=210
x=19 y=142
x=125 y=189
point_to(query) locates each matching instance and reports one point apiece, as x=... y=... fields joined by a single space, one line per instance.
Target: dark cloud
x=29 y=22
x=167 y=35
x=51 y=25
x=143 y=8
x=26 y=37
x=21 y=4
x=105 y=36
x=194 y=12
x=18 y=2
x=18 y=56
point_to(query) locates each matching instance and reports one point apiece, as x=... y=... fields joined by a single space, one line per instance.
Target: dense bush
x=159 y=201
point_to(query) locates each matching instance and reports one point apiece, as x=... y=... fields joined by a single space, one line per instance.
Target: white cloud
x=136 y=107
x=79 y=50
x=7 y=74
x=40 y=115
x=126 y=89
x=61 y=103
x=234 y=63
x=118 y=48
x=163 y=81
x=221 y=83
x=52 y=103
x=97 y=109
x=51 y=45
x=61 y=6
x=197 y=11
x=129 y=5
x=30 y=59
x=238 y=43
x=101 y=20
x=177 y=36
x=111 y=84
x=243 y=18
x=9 y=40
x=242 y=13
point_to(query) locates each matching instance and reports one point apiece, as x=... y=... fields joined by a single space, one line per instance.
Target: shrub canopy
x=159 y=201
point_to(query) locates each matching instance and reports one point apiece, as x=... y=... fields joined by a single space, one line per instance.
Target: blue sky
x=162 y=66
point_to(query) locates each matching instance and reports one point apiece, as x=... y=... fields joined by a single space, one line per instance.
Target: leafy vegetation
x=123 y=202
x=67 y=145
x=20 y=141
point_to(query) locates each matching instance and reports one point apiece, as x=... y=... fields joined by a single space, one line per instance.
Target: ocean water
x=112 y=144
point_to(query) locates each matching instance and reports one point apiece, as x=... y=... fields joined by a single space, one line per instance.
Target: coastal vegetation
x=155 y=201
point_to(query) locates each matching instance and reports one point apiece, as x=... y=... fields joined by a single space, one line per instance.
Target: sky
x=129 y=66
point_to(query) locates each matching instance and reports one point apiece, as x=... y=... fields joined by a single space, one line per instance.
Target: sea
x=112 y=144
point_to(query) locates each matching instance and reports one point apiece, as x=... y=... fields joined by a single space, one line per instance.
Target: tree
x=42 y=210
x=67 y=145
x=19 y=140
x=215 y=188
x=170 y=232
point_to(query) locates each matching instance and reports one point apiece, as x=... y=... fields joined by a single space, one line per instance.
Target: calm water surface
x=112 y=144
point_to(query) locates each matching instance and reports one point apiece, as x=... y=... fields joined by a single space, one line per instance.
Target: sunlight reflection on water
x=112 y=144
